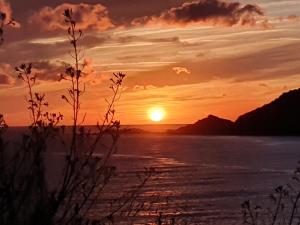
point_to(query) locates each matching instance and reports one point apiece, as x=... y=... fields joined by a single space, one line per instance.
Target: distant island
x=281 y=117
x=133 y=131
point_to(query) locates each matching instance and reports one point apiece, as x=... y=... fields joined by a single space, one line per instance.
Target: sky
x=190 y=57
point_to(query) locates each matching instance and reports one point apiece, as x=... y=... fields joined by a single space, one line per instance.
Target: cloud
x=91 y=75
x=88 y=17
x=130 y=39
x=5 y=74
x=293 y=18
x=48 y=71
x=89 y=41
x=52 y=70
x=180 y=70
x=20 y=52
x=6 y=9
x=214 y=12
x=36 y=49
x=290 y=18
x=5 y=80
x=194 y=98
x=141 y=87
x=251 y=66
x=263 y=85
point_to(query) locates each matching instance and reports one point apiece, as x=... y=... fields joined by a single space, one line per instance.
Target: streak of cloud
x=181 y=70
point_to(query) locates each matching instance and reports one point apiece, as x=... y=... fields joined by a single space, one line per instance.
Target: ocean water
x=197 y=179
x=205 y=179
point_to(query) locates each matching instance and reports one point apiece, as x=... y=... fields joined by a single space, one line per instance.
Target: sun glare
x=156 y=114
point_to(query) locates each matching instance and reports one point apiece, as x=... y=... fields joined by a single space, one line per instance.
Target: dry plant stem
x=31 y=99
x=252 y=216
x=74 y=94
x=292 y=217
x=275 y=216
x=285 y=206
x=107 y=119
x=73 y=177
x=70 y=201
x=77 y=181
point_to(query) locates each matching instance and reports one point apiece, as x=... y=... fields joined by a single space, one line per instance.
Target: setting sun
x=156 y=114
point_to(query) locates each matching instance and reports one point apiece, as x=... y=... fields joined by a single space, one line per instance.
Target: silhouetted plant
x=282 y=209
x=25 y=195
x=36 y=101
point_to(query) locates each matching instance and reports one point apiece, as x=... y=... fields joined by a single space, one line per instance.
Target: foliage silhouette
x=25 y=194
x=282 y=208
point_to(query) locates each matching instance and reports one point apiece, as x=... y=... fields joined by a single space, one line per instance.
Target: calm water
x=199 y=179
x=205 y=179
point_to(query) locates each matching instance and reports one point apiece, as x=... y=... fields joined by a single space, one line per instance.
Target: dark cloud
x=33 y=50
x=5 y=79
x=89 y=40
x=88 y=17
x=24 y=51
x=119 y=11
x=216 y=12
x=104 y=14
x=6 y=72
x=6 y=9
x=45 y=70
x=48 y=13
x=42 y=19
x=7 y=21
x=51 y=71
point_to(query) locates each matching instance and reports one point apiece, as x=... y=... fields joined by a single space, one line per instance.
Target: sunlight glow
x=156 y=114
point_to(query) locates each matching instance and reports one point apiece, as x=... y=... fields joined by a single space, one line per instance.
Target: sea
x=199 y=179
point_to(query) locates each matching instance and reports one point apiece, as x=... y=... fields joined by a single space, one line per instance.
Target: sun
x=157 y=114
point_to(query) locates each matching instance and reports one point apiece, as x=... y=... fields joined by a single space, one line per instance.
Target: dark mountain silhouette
x=133 y=131
x=211 y=125
x=280 y=117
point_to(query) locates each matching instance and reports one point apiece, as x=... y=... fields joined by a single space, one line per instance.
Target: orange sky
x=191 y=64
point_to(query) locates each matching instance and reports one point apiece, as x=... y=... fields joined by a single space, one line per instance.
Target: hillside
x=211 y=125
x=280 y=117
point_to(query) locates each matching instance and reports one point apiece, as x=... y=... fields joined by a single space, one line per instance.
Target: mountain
x=280 y=117
x=133 y=131
x=211 y=125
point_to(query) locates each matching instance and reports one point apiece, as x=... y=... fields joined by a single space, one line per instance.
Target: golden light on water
x=157 y=114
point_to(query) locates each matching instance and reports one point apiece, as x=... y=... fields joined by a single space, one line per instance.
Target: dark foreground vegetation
x=28 y=193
